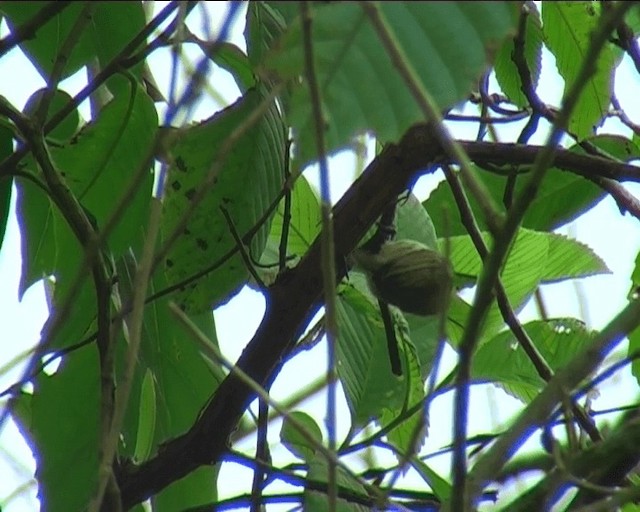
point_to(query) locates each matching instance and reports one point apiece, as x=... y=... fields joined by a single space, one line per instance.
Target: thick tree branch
x=291 y=302
x=294 y=298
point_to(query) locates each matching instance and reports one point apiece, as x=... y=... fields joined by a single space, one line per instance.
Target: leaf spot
x=202 y=244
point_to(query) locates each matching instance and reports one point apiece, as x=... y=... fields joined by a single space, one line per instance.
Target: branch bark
x=297 y=294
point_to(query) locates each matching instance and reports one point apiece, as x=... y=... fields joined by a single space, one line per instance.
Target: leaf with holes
x=246 y=174
x=503 y=361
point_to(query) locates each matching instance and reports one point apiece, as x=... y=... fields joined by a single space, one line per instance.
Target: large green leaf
x=6 y=147
x=567 y=28
x=446 y=43
x=265 y=25
x=295 y=441
x=49 y=248
x=534 y=258
x=410 y=433
x=231 y=58
x=109 y=29
x=68 y=126
x=44 y=49
x=364 y=368
x=246 y=185
x=98 y=163
x=317 y=500
x=441 y=487
x=62 y=426
x=113 y=28
x=554 y=257
x=502 y=360
x=507 y=73
x=101 y=161
x=183 y=379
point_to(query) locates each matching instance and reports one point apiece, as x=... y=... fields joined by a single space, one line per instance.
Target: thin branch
x=11 y=162
x=626 y=201
x=463 y=496
x=242 y=249
x=328 y=249
x=62 y=58
x=259 y=390
x=537 y=359
x=262 y=454
x=28 y=29
x=539 y=409
x=629 y=43
x=286 y=214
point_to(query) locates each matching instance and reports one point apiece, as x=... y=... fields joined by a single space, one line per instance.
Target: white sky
x=613 y=237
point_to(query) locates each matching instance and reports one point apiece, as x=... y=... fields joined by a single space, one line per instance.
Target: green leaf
x=295 y=441
x=364 y=367
x=113 y=28
x=440 y=486
x=410 y=433
x=63 y=431
x=414 y=223
x=446 y=43
x=503 y=361
x=197 y=489
x=265 y=25
x=522 y=270
x=69 y=125
x=305 y=221
x=6 y=147
x=232 y=59
x=103 y=158
x=146 y=418
x=507 y=73
x=184 y=379
x=48 y=247
x=246 y=185
x=534 y=258
x=570 y=259
x=317 y=500
x=567 y=28
x=43 y=50
x=561 y=198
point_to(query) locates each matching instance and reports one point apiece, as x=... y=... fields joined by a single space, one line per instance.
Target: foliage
x=143 y=404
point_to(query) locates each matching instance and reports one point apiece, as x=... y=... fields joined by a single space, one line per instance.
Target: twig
x=328 y=250
x=262 y=454
x=463 y=497
x=28 y=29
x=258 y=389
x=629 y=43
x=537 y=359
x=62 y=58
x=286 y=214
x=242 y=249
x=539 y=409
x=626 y=201
x=11 y=162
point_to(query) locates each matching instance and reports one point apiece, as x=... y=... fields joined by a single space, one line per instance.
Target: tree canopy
x=141 y=220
